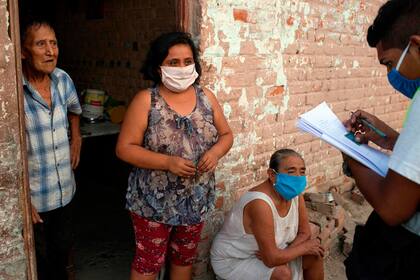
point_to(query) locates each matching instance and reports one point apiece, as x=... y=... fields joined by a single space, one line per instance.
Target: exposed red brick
x=240 y=15
x=279 y=90
x=221 y=186
x=290 y=20
x=219 y=202
x=326 y=232
x=362 y=4
x=314 y=230
x=339 y=218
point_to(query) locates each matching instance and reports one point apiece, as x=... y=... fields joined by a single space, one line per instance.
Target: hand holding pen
x=367 y=127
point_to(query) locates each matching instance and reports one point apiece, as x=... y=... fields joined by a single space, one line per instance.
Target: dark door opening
x=102 y=44
x=104 y=240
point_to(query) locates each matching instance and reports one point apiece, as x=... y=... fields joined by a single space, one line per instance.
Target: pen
x=371 y=126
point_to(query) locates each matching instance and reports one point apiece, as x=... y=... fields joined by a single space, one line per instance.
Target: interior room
x=102 y=45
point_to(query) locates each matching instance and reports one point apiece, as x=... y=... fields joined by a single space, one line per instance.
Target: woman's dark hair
x=396 y=21
x=158 y=51
x=280 y=155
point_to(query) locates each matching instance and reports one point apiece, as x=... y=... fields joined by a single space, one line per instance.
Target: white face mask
x=178 y=79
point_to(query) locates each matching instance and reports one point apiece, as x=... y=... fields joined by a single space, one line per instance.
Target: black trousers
x=53 y=243
x=382 y=252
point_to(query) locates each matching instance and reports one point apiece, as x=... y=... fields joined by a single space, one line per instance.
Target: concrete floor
x=104 y=239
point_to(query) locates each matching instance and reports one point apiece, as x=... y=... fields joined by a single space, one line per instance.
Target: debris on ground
x=333 y=217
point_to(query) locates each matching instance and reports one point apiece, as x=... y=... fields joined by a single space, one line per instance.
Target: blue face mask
x=402 y=84
x=289 y=186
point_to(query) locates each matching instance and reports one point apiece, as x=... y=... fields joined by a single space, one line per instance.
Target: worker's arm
x=395 y=198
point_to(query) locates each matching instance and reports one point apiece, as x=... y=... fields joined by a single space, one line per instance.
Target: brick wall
x=12 y=254
x=269 y=61
x=107 y=53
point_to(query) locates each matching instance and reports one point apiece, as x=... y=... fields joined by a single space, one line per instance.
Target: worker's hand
x=75 y=147
x=313 y=247
x=181 y=167
x=208 y=162
x=35 y=216
x=354 y=125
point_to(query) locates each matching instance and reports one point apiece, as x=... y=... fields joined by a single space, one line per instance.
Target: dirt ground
x=334 y=267
x=104 y=250
x=105 y=241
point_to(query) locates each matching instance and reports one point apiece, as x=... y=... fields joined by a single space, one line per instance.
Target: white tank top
x=233 y=242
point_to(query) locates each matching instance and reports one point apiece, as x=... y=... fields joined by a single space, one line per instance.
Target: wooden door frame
x=181 y=15
x=186 y=19
x=25 y=196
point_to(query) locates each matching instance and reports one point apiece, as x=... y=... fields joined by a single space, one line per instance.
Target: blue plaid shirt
x=51 y=177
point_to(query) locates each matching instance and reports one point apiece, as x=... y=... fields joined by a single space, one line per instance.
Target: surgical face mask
x=289 y=186
x=178 y=79
x=400 y=83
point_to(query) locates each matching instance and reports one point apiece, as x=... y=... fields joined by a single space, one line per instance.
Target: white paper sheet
x=323 y=123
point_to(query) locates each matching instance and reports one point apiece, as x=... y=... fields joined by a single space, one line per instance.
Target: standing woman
x=174 y=135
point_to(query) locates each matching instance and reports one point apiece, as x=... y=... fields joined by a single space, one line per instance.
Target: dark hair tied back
x=158 y=51
x=280 y=155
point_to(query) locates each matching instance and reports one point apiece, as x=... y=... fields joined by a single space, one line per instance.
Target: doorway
x=102 y=45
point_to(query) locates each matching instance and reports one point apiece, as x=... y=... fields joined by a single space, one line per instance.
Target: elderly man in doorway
x=52 y=110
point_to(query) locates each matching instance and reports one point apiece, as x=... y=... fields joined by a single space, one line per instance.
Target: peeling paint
x=228 y=35
x=338 y=61
x=215 y=54
x=243 y=102
x=228 y=27
x=269 y=108
x=4 y=110
x=285 y=104
x=259 y=81
x=356 y=64
x=7 y=46
x=7 y=15
x=227 y=109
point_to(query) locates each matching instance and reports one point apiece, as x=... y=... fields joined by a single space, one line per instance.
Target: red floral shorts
x=153 y=240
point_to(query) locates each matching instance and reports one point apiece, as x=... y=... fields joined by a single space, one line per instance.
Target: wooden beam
x=25 y=196
x=182 y=15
